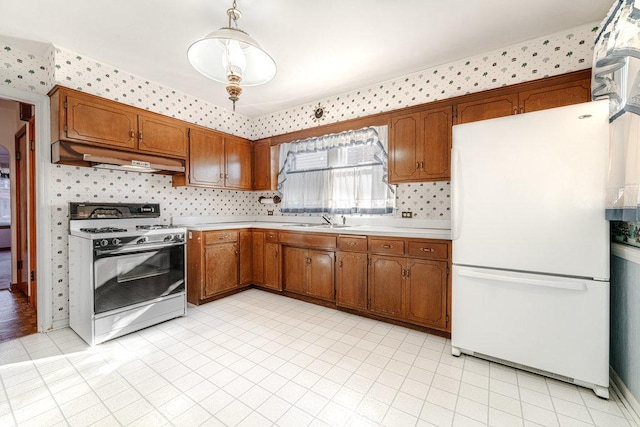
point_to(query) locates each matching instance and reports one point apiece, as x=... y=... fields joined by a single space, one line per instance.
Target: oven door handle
x=142 y=248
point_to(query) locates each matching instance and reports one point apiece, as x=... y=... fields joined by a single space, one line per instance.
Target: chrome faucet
x=327 y=219
x=344 y=220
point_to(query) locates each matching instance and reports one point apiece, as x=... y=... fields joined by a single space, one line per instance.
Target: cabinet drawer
x=271 y=236
x=386 y=246
x=213 y=237
x=428 y=250
x=308 y=240
x=352 y=243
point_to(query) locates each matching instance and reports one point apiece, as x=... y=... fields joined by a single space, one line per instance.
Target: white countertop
x=370 y=226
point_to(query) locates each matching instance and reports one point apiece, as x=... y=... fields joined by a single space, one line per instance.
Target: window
x=342 y=173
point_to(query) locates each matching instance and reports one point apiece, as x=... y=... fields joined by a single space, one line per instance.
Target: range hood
x=70 y=153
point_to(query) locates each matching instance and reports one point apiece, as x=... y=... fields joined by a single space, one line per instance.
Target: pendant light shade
x=231 y=56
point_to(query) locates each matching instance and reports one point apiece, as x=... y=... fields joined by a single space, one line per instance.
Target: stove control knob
x=143 y=239
x=179 y=237
x=116 y=242
x=168 y=238
x=104 y=242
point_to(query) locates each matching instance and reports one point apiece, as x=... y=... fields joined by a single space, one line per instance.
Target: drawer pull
x=427 y=249
x=352 y=243
x=387 y=246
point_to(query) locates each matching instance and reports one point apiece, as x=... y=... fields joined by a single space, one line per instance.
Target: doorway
x=18 y=316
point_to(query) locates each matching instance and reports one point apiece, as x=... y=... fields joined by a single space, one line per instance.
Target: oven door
x=137 y=275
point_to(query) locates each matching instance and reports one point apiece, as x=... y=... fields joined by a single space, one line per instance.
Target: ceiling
x=321 y=48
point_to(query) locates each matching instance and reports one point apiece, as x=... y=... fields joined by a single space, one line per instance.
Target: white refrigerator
x=531 y=244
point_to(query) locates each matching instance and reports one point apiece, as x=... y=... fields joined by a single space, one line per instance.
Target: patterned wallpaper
x=559 y=53
x=88 y=75
x=555 y=54
x=25 y=71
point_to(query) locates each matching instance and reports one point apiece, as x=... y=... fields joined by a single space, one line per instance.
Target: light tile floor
x=259 y=359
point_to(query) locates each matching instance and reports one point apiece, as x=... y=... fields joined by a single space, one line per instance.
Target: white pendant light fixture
x=231 y=56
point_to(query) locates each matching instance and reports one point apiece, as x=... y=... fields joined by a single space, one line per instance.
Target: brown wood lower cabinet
x=386 y=276
x=426 y=292
x=351 y=280
x=309 y=272
x=398 y=278
x=218 y=262
x=272 y=266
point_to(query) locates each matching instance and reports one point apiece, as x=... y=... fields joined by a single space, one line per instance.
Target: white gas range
x=126 y=271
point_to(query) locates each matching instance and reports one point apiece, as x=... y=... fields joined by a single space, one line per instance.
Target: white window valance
x=344 y=173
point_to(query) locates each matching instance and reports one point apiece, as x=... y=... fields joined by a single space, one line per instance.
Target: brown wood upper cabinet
x=265 y=165
x=524 y=101
x=420 y=145
x=89 y=119
x=217 y=160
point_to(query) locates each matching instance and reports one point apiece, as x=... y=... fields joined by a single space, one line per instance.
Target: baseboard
x=59 y=324
x=14 y=287
x=628 y=399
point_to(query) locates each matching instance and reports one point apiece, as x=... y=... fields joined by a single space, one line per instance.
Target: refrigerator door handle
x=556 y=284
x=455 y=194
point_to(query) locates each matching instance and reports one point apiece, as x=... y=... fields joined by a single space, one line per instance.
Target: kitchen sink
x=321 y=225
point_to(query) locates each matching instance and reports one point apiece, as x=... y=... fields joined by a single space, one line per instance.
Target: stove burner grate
x=94 y=230
x=153 y=227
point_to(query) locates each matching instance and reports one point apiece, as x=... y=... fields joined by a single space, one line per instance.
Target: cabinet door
x=221 y=268
x=351 y=280
x=385 y=285
x=489 y=108
x=257 y=242
x=320 y=274
x=246 y=258
x=426 y=292
x=262 y=165
x=436 y=140
x=162 y=135
x=238 y=163
x=405 y=150
x=555 y=96
x=294 y=267
x=272 y=266
x=100 y=121
x=206 y=158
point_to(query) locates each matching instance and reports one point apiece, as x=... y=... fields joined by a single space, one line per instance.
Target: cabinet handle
x=408 y=272
x=226 y=175
x=521 y=110
x=340 y=264
x=276 y=254
x=515 y=110
x=387 y=246
x=221 y=176
x=421 y=165
x=140 y=135
x=352 y=243
x=308 y=260
x=404 y=272
x=427 y=249
x=132 y=134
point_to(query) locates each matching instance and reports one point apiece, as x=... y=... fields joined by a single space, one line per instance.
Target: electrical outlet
x=408 y=214
x=270 y=213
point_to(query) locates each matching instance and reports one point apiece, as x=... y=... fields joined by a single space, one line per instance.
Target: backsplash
x=559 y=53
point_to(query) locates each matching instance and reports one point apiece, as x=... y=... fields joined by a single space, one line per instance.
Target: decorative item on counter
x=275 y=200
